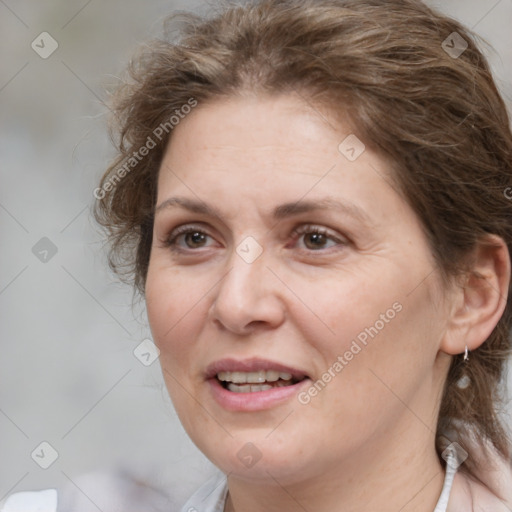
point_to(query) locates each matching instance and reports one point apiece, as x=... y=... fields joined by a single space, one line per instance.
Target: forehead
x=270 y=150
x=255 y=135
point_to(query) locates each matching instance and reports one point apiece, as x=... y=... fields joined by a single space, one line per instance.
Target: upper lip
x=251 y=365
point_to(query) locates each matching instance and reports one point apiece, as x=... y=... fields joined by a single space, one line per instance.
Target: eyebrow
x=279 y=213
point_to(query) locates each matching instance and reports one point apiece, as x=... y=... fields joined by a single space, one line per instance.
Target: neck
x=399 y=478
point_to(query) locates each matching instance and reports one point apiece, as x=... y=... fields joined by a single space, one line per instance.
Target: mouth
x=254 y=382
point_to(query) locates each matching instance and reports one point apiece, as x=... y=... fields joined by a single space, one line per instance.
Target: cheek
x=173 y=319
x=359 y=325
x=337 y=309
x=173 y=307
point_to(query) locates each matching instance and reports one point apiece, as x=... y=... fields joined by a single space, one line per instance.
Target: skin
x=366 y=441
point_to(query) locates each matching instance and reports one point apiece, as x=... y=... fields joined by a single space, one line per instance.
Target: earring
x=464 y=381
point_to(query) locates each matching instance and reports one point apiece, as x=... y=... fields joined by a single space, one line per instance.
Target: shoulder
x=489 y=488
x=210 y=497
x=37 y=501
x=108 y=490
x=469 y=495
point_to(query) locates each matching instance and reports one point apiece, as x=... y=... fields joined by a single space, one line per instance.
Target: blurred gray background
x=68 y=373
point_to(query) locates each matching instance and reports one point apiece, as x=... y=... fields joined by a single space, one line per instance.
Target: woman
x=311 y=197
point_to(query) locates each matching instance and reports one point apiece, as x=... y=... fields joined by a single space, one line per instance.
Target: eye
x=187 y=237
x=316 y=238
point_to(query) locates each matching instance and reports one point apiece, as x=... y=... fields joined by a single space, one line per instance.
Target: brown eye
x=186 y=238
x=194 y=239
x=315 y=240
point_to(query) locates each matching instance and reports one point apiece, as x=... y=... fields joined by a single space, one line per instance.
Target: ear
x=480 y=300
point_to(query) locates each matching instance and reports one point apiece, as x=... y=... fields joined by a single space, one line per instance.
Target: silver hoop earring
x=464 y=381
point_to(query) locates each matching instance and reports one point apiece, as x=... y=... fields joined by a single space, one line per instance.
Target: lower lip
x=256 y=400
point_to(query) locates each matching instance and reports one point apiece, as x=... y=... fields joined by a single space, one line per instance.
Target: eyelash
x=170 y=242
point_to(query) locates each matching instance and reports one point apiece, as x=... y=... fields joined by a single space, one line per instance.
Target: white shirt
x=211 y=497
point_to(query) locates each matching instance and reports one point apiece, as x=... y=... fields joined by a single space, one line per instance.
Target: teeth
x=271 y=376
x=239 y=377
x=253 y=377
x=248 y=388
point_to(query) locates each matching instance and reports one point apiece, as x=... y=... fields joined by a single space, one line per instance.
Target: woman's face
x=283 y=256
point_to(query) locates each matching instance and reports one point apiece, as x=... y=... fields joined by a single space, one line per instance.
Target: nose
x=248 y=298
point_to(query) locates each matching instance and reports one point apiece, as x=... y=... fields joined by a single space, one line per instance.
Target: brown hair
x=437 y=116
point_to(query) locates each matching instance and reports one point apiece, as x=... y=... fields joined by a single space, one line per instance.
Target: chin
x=257 y=456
